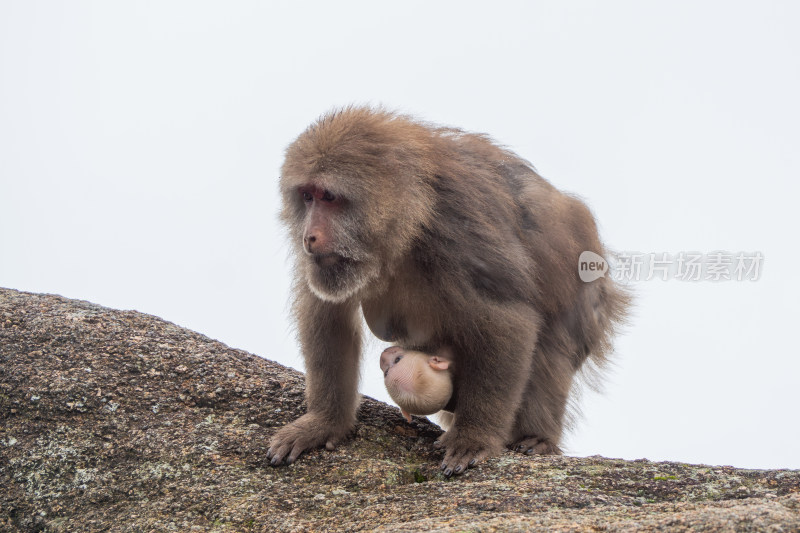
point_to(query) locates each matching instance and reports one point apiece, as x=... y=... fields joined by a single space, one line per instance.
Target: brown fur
x=445 y=239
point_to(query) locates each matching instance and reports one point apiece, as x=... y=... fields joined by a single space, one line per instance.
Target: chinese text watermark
x=715 y=266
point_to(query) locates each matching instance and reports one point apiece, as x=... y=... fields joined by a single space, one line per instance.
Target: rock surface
x=116 y=420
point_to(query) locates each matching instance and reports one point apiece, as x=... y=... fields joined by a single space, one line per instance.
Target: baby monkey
x=419 y=383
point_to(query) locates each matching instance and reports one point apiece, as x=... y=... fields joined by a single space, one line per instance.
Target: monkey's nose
x=308 y=243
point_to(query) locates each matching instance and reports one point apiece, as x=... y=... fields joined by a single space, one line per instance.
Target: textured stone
x=116 y=420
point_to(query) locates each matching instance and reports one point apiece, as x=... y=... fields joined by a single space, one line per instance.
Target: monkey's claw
x=465 y=450
x=283 y=454
x=534 y=445
x=457 y=463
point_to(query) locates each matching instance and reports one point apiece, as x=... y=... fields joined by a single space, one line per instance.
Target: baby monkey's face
x=419 y=383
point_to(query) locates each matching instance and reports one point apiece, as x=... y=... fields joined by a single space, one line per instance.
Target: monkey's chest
x=396 y=320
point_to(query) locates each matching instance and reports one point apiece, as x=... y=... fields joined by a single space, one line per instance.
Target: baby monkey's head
x=421 y=384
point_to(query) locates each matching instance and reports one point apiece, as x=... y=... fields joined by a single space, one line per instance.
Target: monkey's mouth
x=331 y=259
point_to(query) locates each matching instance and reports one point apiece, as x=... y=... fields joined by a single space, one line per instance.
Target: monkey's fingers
x=287 y=452
x=280 y=446
x=292 y=440
x=466 y=448
x=277 y=453
x=457 y=461
x=297 y=449
x=534 y=445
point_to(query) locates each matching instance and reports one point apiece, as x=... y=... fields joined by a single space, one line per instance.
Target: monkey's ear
x=437 y=363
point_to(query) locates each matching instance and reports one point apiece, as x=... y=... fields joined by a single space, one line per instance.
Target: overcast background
x=140 y=145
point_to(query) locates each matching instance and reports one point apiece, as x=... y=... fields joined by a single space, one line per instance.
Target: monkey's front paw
x=308 y=431
x=465 y=449
x=534 y=445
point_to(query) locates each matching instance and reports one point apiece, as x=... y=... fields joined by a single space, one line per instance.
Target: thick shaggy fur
x=445 y=239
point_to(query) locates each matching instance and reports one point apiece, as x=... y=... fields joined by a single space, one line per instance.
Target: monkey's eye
x=397 y=359
x=328 y=197
x=307 y=197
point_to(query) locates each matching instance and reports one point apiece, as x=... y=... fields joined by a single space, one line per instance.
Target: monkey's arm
x=330 y=337
x=493 y=367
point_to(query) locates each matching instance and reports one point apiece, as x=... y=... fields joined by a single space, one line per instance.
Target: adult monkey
x=442 y=238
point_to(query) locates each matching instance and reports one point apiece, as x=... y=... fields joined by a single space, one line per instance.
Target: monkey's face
x=355 y=196
x=334 y=240
x=417 y=382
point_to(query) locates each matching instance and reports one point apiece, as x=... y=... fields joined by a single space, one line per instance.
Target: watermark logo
x=591 y=266
x=718 y=266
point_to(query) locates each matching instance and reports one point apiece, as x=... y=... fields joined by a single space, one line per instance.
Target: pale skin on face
x=419 y=383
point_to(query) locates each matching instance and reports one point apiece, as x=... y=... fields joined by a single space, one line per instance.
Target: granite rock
x=120 y=421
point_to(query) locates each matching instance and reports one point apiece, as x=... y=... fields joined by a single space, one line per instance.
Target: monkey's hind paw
x=464 y=450
x=535 y=446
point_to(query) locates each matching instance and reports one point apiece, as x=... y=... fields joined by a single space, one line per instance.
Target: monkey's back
x=503 y=233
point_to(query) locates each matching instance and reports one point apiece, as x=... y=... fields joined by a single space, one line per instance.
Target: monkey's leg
x=540 y=416
x=330 y=336
x=491 y=375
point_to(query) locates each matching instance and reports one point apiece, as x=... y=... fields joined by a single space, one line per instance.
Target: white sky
x=140 y=144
